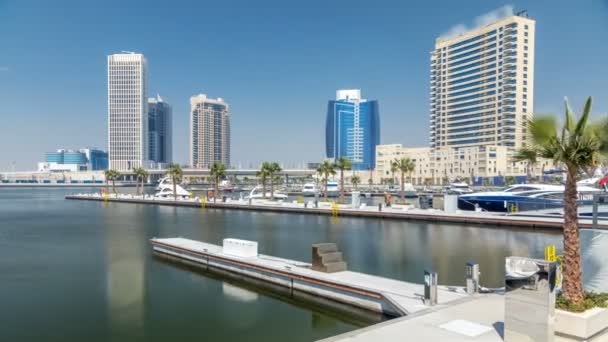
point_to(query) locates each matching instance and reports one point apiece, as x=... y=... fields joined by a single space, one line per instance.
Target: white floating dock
x=378 y=294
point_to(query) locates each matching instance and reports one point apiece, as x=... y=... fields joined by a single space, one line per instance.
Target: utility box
x=450 y=203
x=438 y=202
x=529 y=300
x=241 y=248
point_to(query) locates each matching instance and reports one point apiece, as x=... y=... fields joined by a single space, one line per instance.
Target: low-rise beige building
x=443 y=166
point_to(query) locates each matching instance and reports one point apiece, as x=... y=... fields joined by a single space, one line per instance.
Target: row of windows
x=471 y=103
x=470 y=116
x=470 y=71
x=470 y=141
x=470 y=78
x=467 y=60
x=489 y=86
x=471 y=40
x=488 y=80
x=472 y=52
x=457 y=51
x=468 y=110
x=470 y=97
x=489 y=60
x=472 y=128
x=471 y=122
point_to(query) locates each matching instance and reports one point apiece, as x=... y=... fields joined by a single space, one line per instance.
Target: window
x=525 y=82
x=526 y=48
x=525 y=75
x=525 y=55
x=526 y=41
x=525 y=61
x=525 y=26
x=526 y=34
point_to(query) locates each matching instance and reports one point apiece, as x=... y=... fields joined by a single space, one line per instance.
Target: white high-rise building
x=127 y=111
x=209 y=131
x=482 y=86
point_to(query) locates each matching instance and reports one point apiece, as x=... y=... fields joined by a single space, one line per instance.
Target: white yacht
x=459 y=188
x=333 y=189
x=165 y=189
x=257 y=193
x=309 y=189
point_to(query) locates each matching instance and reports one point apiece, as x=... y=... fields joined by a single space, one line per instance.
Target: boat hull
x=510 y=204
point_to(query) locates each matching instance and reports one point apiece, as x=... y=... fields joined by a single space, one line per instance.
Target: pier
x=397 y=212
x=382 y=295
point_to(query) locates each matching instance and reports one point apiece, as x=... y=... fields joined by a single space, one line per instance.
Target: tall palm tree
x=577 y=146
x=404 y=165
x=342 y=164
x=394 y=169
x=355 y=181
x=175 y=172
x=326 y=169
x=217 y=171
x=273 y=168
x=140 y=174
x=530 y=157
x=263 y=173
x=112 y=175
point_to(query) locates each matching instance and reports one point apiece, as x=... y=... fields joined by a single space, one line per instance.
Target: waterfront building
x=85 y=159
x=482 y=86
x=209 y=131
x=446 y=165
x=127 y=111
x=160 y=131
x=352 y=129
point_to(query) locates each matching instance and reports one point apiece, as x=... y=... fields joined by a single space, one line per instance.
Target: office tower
x=482 y=86
x=209 y=131
x=352 y=129
x=160 y=134
x=127 y=111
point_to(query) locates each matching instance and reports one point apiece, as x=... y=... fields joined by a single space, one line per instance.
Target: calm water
x=78 y=270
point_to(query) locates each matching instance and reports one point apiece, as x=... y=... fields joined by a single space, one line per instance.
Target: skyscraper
x=127 y=111
x=160 y=145
x=482 y=86
x=209 y=131
x=352 y=129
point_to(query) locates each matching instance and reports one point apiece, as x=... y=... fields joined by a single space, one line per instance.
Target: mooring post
x=430 y=287
x=472 y=277
x=596 y=200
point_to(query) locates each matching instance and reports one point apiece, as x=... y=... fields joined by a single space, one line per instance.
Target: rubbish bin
x=529 y=299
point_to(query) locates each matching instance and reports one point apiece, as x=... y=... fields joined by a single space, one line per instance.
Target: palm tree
x=530 y=157
x=579 y=145
x=263 y=173
x=217 y=171
x=355 y=180
x=112 y=175
x=175 y=172
x=326 y=169
x=140 y=174
x=404 y=165
x=273 y=168
x=342 y=164
x=394 y=169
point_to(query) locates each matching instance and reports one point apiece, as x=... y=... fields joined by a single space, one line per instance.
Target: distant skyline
x=276 y=62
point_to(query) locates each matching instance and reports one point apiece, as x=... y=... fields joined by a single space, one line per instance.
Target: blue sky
x=276 y=63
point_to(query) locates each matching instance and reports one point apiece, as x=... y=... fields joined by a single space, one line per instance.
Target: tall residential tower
x=352 y=129
x=482 y=86
x=209 y=131
x=127 y=111
x=160 y=145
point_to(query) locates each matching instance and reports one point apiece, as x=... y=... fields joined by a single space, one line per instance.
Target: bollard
x=430 y=287
x=472 y=277
x=316 y=203
x=379 y=206
x=529 y=300
x=249 y=201
x=305 y=205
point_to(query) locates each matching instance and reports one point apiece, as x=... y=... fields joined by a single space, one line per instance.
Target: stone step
x=335 y=267
x=331 y=257
x=325 y=247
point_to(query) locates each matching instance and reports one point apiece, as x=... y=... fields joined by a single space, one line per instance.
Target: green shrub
x=592 y=300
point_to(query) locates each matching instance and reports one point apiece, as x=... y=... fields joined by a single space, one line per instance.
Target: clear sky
x=276 y=62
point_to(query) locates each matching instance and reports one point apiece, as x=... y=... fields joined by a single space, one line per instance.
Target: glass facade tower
x=159 y=131
x=352 y=129
x=482 y=86
x=209 y=131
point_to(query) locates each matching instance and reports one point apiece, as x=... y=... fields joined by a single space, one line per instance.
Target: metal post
x=379 y=206
x=472 y=277
x=430 y=287
x=596 y=200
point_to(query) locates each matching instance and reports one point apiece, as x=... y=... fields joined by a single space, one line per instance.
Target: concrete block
x=583 y=326
x=242 y=248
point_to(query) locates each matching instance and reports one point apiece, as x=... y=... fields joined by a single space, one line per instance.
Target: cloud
x=480 y=21
x=4 y=68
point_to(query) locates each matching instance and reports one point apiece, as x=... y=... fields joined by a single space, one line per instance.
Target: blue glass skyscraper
x=352 y=129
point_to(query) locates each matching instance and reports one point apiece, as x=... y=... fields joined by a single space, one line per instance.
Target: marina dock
x=397 y=212
x=382 y=295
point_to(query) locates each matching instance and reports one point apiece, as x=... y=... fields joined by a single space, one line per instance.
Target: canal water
x=80 y=270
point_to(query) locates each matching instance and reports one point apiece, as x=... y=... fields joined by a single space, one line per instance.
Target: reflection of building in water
x=125 y=283
x=238 y=294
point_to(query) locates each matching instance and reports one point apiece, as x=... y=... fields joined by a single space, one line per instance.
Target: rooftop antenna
x=522 y=13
